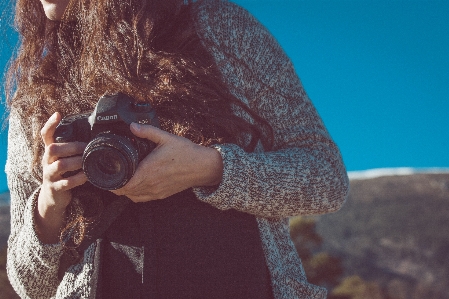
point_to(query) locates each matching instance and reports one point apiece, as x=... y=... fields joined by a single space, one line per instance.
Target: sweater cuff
x=47 y=253
x=224 y=196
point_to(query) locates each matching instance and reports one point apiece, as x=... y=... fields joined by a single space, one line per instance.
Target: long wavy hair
x=148 y=49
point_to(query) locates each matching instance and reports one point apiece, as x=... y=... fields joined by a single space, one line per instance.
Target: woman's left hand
x=174 y=165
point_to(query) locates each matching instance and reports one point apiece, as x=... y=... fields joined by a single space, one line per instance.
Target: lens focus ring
x=110 y=161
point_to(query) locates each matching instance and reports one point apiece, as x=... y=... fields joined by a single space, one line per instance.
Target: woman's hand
x=55 y=192
x=174 y=165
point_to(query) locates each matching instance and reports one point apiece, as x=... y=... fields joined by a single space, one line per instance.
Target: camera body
x=113 y=152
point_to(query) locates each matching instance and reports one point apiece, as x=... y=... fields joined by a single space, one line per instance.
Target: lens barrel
x=110 y=161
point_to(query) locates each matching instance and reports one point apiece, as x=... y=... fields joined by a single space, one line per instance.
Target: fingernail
x=136 y=126
x=53 y=117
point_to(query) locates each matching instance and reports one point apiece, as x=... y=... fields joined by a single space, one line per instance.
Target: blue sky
x=376 y=70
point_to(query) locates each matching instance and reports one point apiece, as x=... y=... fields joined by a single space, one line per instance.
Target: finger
x=48 y=130
x=70 y=182
x=56 y=151
x=141 y=198
x=56 y=169
x=124 y=191
x=149 y=132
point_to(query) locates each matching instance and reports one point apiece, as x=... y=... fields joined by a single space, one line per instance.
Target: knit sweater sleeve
x=304 y=173
x=31 y=265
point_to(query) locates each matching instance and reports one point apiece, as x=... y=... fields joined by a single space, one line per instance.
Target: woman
x=240 y=149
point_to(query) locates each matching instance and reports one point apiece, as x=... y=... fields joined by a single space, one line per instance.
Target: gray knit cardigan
x=303 y=174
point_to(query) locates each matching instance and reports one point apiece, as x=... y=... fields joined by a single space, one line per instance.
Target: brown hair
x=148 y=49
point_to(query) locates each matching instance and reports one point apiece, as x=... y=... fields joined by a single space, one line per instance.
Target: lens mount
x=110 y=161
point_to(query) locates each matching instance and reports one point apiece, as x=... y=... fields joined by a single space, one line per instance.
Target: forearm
x=32 y=265
x=279 y=184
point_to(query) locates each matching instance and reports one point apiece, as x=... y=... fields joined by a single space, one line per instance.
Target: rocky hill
x=395 y=230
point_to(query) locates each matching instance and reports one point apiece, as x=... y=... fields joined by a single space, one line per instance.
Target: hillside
x=395 y=230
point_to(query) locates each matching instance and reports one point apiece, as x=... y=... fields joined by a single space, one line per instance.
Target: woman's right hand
x=55 y=193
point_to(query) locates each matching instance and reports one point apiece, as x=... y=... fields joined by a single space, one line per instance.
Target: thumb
x=148 y=132
x=49 y=128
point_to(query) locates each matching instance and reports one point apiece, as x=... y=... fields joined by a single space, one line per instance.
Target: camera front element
x=110 y=161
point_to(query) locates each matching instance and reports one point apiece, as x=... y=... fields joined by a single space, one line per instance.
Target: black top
x=181 y=247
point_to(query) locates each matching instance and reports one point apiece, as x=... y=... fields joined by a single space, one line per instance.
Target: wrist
x=213 y=167
x=49 y=220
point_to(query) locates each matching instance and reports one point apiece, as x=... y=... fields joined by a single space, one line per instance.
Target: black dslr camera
x=113 y=152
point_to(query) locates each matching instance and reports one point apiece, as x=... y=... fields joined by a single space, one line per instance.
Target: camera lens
x=109 y=161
